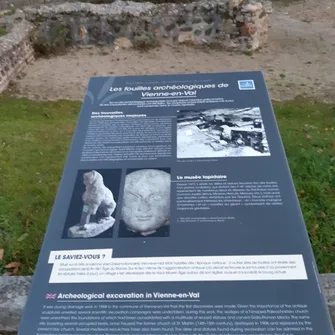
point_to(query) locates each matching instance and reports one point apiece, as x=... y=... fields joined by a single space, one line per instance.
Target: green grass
x=3 y=30
x=34 y=141
x=308 y=134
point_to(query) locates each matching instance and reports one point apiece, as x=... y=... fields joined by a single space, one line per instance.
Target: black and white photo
x=93 y=204
x=229 y=132
x=146 y=203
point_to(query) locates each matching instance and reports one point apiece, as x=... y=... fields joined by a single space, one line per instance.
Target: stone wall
x=6 y=4
x=14 y=290
x=238 y=24
x=15 y=51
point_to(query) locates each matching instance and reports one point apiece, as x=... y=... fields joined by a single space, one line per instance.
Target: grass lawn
x=35 y=139
x=3 y=30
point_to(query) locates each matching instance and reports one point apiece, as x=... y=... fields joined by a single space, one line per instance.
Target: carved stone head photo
x=146 y=201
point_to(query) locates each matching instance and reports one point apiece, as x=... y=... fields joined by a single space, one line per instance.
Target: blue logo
x=246 y=85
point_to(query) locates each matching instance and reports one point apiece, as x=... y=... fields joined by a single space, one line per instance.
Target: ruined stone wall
x=6 y=4
x=240 y=24
x=15 y=51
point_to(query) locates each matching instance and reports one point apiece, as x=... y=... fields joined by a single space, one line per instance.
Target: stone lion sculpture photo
x=146 y=201
x=98 y=201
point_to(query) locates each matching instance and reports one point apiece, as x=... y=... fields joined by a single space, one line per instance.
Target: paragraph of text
x=201 y=195
x=130 y=130
x=128 y=139
x=125 y=153
x=177 y=102
x=175 y=318
x=157 y=269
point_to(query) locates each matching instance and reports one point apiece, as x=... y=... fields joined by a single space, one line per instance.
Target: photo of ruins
x=227 y=132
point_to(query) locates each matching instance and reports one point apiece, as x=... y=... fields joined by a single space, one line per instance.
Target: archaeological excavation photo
x=221 y=133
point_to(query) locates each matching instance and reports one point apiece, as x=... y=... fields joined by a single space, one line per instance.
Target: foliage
x=58 y=44
x=3 y=30
x=146 y=43
x=34 y=141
